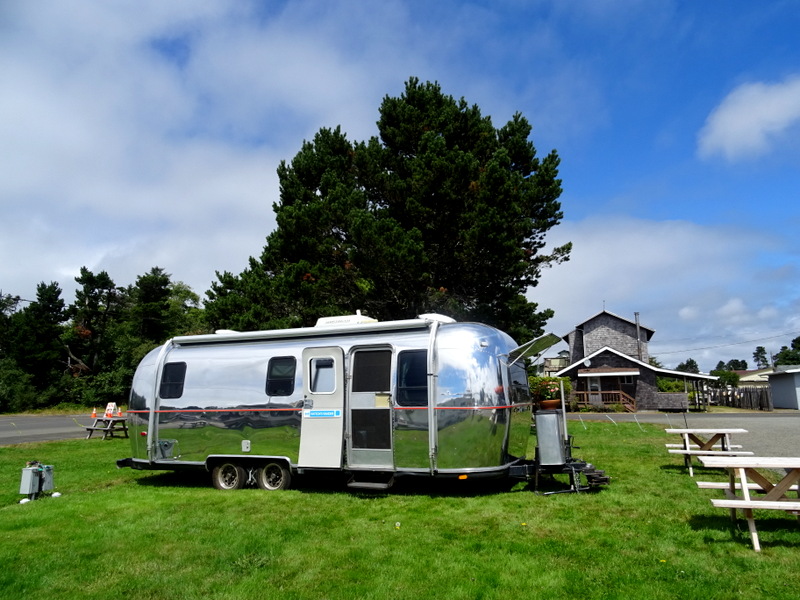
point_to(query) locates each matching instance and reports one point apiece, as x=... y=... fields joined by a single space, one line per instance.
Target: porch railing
x=604 y=400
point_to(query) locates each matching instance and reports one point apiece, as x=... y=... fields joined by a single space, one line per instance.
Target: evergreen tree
x=789 y=355
x=149 y=313
x=16 y=386
x=98 y=305
x=690 y=366
x=91 y=358
x=33 y=342
x=442 y=212
x=8 y=306
x=760 y=357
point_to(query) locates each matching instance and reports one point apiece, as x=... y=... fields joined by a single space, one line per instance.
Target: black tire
x=274 y=476
x=228 y=476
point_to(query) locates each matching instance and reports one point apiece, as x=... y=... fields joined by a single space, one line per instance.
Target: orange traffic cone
x=119 y=411
x=94 y=413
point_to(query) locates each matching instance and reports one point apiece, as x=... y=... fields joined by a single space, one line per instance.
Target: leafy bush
x=548 y=388
x=16 y=388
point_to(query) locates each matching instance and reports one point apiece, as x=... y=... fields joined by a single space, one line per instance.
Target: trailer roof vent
x=225 y=331
x=355 y=319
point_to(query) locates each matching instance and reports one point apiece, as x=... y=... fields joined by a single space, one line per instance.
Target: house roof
x=754 y=375
x=598 y=371
x=648 y=332
x=784 y=370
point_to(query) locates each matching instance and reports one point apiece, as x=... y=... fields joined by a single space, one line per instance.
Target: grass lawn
x=650 y=534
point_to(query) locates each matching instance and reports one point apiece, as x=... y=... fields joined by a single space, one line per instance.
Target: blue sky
x=144 y=133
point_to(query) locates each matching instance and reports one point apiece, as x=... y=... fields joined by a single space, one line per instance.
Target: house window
x=627 y=380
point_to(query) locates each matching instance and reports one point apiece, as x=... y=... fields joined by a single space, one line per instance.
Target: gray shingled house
x=609 y=365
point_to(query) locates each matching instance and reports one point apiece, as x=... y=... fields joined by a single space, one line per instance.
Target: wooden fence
x=751 y=397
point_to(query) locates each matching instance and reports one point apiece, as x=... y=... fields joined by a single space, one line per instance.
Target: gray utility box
x=36 y=479
x=550 y=444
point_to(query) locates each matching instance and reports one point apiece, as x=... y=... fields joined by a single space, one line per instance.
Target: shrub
x=548 y=388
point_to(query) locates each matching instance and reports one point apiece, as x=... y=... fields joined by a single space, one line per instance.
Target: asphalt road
x=17 y=429
x=769 y=434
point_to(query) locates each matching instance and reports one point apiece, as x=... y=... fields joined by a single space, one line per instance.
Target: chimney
x=638 y=337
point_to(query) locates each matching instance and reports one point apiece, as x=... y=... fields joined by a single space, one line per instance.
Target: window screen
x=412 y=378
x=172 y=378
x=280 y=376
x=372 y=429
x=372 y=370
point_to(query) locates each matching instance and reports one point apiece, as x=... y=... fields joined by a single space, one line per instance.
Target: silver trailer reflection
x=425 y=396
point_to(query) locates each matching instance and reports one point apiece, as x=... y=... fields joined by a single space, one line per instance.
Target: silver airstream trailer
x=375 y=400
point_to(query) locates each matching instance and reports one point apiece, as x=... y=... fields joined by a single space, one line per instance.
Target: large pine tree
x=443 y=212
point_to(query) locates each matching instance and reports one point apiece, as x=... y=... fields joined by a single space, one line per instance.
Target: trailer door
x=322 y=428
x=370 y=409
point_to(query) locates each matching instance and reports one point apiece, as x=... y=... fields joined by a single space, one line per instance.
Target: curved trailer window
x=172 y=379
x=519 y=390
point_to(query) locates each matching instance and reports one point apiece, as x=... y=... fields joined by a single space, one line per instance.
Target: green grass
x=650 y=534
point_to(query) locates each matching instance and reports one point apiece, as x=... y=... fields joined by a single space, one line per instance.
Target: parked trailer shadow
x=336 y=483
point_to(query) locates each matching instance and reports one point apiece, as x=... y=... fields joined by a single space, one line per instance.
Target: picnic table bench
x=724 y=485
x=110 y=426
x=703 y=442
x=697 y=447
x=744 y=476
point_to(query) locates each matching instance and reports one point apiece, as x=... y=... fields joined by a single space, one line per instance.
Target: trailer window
x=280 y=376
x=172 y=378
x=323 y=380
x=520 y=392
x=412 y=378
x=372 y=371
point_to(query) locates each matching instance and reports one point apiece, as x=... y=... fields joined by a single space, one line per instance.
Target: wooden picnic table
x=745 y=476
x=109 y=426
x=701 y=442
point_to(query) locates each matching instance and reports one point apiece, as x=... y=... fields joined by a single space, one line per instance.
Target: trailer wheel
x=228 y=476
x=274 y=476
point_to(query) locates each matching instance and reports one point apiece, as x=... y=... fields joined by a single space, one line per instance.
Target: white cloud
x=146 y=133
x=734 y=310
x=685 y=279
x=751 y=120
x=117 y=157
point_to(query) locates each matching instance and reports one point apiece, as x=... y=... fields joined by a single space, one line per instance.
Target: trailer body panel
x=423 y=396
